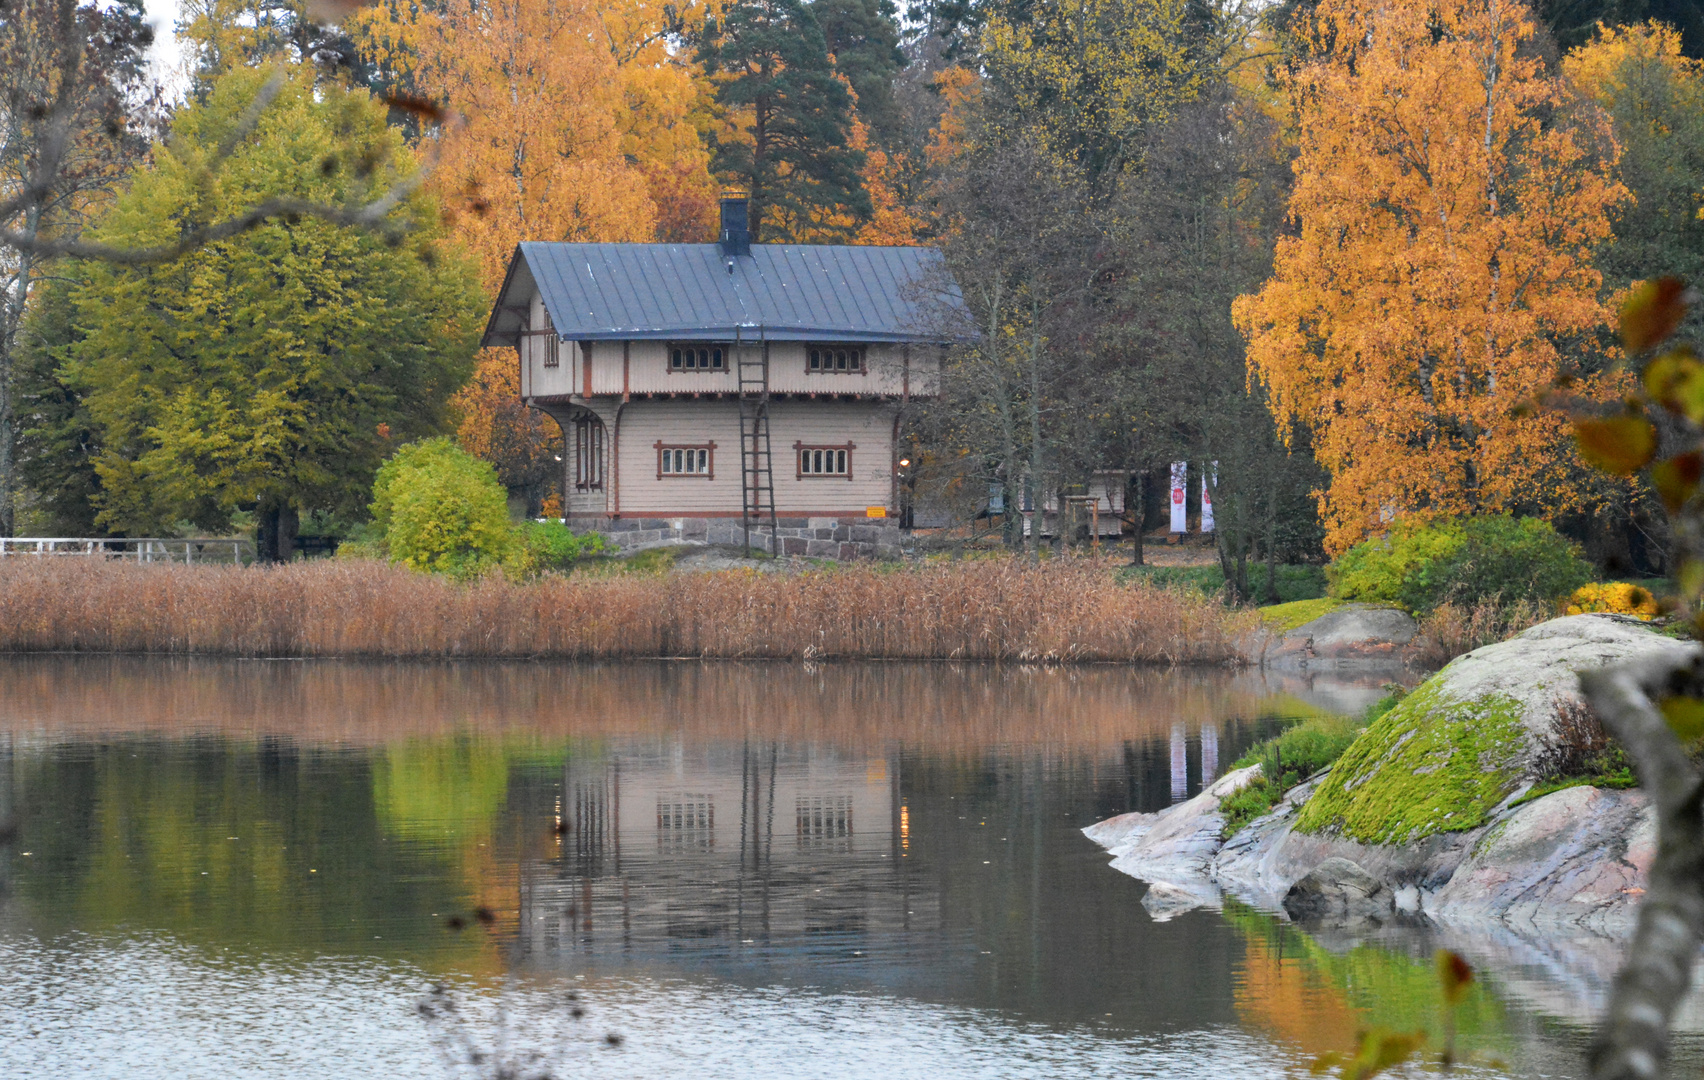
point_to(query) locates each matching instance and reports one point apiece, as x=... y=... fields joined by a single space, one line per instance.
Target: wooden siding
x=644 y=424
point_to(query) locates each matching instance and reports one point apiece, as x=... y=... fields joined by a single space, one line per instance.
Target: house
x=729 y=392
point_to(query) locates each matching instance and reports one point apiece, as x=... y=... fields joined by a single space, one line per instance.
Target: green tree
x=271 y=371
x=58 y=441
x=1091 y=77
x=792 y=150
x=442 y=510
x=863 y=38
x=1654 y=100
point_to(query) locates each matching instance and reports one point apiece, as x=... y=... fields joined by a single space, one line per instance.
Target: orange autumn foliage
x=1442 y=250
x=565 y=121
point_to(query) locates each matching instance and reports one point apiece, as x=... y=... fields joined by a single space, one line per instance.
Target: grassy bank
x=980 y=610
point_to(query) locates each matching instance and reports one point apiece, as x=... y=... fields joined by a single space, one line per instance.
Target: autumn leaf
x=1652 y=313
x=1378 y=1050
x=1684 y=716
x=1455 y=975
x=1676 y=381
x=1618 y=444
x=1676 y=479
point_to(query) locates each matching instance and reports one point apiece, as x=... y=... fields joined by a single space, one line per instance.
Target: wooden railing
x=133 y=549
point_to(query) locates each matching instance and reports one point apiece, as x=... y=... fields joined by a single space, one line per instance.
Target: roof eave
x=494 y=336
x=751 y=334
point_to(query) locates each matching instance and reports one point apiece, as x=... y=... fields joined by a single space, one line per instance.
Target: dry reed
x=1451 y=630
x=1000 y=610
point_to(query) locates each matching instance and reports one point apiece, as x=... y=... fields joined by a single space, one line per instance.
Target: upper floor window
x=838 y=359
x=697 y=356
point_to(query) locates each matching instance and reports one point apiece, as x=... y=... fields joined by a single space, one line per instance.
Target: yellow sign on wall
x=875 y=511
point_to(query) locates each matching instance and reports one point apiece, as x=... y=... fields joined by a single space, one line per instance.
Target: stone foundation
x=817 y=537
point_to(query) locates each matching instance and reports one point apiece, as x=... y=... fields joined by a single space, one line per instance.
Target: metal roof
x=780 y=291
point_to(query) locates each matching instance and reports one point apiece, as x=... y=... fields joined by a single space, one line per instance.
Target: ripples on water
x=245 y=869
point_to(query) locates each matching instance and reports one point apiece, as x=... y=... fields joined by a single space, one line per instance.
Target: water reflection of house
x=725 y=848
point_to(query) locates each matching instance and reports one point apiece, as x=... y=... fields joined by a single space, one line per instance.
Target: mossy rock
x=1465 y=739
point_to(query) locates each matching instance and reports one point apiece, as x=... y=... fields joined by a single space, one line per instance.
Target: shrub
x=1254 y=800
x=1449 y=630
x=1303 y=750
x=551 y=545
x=1619 y=597
x=1421 y=565
x=441 y=509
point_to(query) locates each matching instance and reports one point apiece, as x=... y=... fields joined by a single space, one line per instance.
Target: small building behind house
x=711 y=392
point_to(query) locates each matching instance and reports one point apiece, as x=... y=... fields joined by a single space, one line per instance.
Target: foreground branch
x=1633 y=1043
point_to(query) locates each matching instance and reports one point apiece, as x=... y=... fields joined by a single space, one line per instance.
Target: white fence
x=132 y=549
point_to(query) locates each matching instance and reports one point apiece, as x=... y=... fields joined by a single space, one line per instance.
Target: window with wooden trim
x=588 y=454
x=825 y=461
x=697 y=461
x=823 y=821
x=834 y=360
x=698 y=356
x=552 y=349
x=686 y=822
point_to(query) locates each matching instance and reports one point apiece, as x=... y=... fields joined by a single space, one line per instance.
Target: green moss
x=1286 y=617
x=1551 y=787
x=1429 y=765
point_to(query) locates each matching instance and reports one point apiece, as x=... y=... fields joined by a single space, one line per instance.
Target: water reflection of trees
x=903 y=828
x=931 y=706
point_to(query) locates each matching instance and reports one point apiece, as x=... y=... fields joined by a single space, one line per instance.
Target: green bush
x=441 y=509
x=1420 y=565
x=551 y=545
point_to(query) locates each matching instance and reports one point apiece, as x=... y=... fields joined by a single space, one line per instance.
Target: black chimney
x=736 y=231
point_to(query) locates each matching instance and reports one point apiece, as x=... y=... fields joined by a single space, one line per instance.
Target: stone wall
x=817 y=537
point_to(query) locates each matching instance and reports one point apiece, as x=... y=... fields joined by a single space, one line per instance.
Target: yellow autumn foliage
x=1444 y=229
x=1616 y=597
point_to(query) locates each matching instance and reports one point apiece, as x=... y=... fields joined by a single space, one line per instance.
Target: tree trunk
x=1271 y=542
x=17 y=300
x=275 y=532
x=1136 y=485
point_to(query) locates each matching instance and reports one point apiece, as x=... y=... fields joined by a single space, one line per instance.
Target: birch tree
x=1440 y=275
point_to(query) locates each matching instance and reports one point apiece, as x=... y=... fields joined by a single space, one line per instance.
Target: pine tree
x=863 y=38
x=793 y=118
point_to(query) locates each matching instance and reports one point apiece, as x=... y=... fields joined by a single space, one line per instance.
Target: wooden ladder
x=757 y=472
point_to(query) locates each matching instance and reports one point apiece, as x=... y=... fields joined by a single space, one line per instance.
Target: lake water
x=258 y=869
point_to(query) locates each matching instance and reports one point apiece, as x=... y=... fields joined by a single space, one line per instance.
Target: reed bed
x=985 y=610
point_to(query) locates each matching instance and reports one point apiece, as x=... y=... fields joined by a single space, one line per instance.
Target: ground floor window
x=835 y=461
x=588 y=454
x=695 y=461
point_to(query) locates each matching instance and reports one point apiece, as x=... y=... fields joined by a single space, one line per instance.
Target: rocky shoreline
x=1426 y=817
x=1571 y=861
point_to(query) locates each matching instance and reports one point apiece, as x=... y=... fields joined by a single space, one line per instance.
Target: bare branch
x=1633 y=1044
x=371 y=214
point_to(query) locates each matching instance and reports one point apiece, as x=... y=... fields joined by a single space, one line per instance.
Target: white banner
x=1207 y=483
x=1179 y=487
